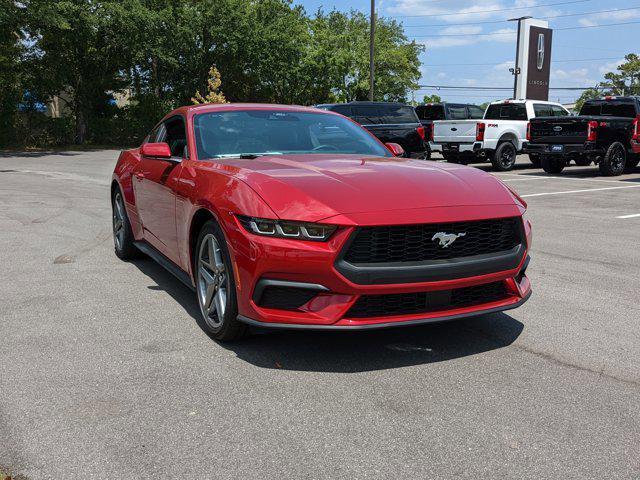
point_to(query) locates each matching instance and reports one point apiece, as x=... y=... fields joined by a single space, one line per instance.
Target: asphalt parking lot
x=105 y=373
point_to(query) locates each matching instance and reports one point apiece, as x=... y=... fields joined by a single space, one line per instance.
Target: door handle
x=139 y=175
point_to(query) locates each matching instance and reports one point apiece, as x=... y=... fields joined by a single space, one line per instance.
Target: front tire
x=614 y=161
x=215 y=285
x=504 y=158
x=553 y=165
x=122 y=234
x=534 y=158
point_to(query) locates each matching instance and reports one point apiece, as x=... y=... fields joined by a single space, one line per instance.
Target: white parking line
x=578 y=191
x=635 y=215
x=546 y=177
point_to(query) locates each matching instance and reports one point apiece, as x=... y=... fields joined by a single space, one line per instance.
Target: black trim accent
x=151 y=251
x=265 y=282
x=568 y=149
x=379 y=326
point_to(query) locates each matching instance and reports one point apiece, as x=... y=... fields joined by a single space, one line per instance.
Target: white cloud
x=610 y=67
x=610 y=17
x=472 y=36
x=450 y=11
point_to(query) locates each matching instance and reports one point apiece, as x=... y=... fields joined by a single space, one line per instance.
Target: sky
x=470 y=43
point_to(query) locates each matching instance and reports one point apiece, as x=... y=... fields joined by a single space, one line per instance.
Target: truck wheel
x=534 y=158
x=632 y=163
x=504 y=158
x=451 y=157
x=614 y=161
x=552 y=164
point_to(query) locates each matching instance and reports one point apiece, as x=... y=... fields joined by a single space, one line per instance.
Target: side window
x=475 y=112
x=365 y=114
x=176 y=136
x=456 y=112
x=156 y=135
x=542 y=110
x=558 y=111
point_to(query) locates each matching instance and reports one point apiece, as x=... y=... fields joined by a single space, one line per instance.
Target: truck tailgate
x=559 y=130
x=454 y=131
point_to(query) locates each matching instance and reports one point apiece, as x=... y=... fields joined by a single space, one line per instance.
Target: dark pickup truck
x=606 y=132
x=390 y=122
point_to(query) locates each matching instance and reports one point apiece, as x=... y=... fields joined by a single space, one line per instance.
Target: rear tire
x=122 y=234
x=504 y=158
x=552 y=165
x=614 y=161
x=215 y=285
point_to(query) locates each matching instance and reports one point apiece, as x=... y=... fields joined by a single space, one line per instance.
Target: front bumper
x=260 y=262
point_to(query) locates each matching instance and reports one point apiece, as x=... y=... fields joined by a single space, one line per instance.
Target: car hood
x=316 y=187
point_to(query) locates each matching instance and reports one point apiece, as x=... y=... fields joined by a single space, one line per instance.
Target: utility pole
x=516 y=70
x=372 y=48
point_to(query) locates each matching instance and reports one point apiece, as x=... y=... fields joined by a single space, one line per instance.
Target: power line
x=505 y=61
x=505 y=21
x=494 y=10
x=513 y=32
x=457 y=87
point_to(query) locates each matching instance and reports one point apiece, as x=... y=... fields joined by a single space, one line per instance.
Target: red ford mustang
x=294 y=217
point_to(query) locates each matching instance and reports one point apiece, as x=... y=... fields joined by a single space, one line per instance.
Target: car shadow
x=38 y=154
x=350 y=352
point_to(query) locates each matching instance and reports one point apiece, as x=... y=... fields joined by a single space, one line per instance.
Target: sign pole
x=372 y=48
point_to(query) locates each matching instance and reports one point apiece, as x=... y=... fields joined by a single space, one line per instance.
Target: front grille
x=416 y=243
x=285 y=298
x=425 y=302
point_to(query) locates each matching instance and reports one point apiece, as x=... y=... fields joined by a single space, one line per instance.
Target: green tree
x=11 y=71
x=432 y=99
x=77 y=51
x=626 y=81
x=343 y=41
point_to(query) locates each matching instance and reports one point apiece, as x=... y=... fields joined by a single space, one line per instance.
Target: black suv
x=390 y=122
x=606 y=132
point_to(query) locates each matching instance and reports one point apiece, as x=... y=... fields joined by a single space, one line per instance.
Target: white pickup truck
x=498 y=137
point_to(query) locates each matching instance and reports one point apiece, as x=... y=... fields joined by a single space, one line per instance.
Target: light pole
x=516 y=70
x=372 y=34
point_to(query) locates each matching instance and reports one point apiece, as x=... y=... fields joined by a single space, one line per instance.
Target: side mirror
x=396 y=149
x=159 y=150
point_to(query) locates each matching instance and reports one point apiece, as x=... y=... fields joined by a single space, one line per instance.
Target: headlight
x=285 y=229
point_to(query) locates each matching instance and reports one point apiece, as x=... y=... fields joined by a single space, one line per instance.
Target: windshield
x=273 y=132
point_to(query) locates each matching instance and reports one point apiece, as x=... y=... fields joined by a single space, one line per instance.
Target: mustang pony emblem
x=447 y=239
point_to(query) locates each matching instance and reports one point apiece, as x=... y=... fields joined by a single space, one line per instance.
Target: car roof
x=230 y=107
x=521 y=101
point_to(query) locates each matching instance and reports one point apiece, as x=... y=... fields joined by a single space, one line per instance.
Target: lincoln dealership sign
x=534 y=60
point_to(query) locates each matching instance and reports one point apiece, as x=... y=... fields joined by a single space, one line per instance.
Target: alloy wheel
x=617 y=159
x=212 y=281
x=507 y=158
x=118 y=221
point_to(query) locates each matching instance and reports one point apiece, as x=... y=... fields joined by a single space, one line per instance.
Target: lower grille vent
x=424 y=302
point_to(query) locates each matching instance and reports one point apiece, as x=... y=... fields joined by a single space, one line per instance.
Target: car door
x=155 y=182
